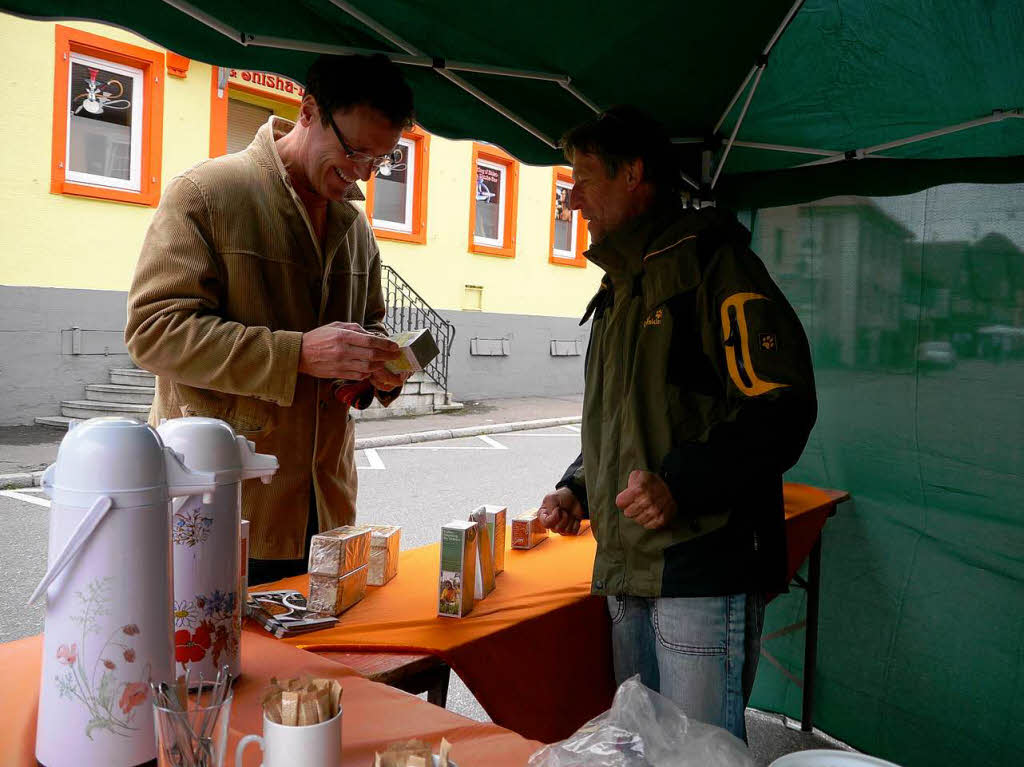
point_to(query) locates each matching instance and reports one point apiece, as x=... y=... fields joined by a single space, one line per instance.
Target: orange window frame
x=151 y=63
x=219 y=109
x=421 y=145
x=580 y=246
x=499 y=157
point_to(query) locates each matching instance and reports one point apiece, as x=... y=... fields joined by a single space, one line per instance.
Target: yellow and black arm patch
x=737 y=335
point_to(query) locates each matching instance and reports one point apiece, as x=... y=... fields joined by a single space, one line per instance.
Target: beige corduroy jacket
x=229 y=278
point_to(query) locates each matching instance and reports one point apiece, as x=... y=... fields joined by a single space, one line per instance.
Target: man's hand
x=344 y=350
x=561 y=512
x=647 y=500
x=385 y=380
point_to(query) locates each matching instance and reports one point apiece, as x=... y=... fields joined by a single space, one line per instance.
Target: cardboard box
x=384 y=550
x=527 y=530
x=339 y=551
x=418 y=349
x=457 y=578
x=497 y=519
x=484 y=556
x=333 y=595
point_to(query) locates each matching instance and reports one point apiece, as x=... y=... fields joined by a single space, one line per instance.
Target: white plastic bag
x=645 y=729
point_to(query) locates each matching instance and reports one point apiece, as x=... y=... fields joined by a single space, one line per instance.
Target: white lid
x=110 y=455
x=122 y=458
x=829 y=758
x=209 y=444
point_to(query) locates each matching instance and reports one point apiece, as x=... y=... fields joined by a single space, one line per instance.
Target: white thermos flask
x=108 y=592
x=208 y=605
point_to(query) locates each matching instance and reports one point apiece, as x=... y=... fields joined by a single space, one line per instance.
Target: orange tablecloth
x=536 y=652
x=374 y=715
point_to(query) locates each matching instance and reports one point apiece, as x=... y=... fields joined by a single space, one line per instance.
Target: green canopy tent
x=780 y=104
x=771 y=101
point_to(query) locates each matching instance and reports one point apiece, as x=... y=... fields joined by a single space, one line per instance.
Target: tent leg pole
x=811 y=637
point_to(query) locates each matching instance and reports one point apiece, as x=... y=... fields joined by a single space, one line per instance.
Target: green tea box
x=484 y=556
x=527 y=530
x=418 y=349
x=497 y=519
x=384 y=549
x=457 y=580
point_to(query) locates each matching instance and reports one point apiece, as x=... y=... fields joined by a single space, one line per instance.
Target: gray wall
x=38 y=368
x=528 y=370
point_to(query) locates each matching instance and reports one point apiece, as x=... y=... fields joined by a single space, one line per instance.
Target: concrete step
x=56 y=421
x=132 y=377
x=136 y=395
x=91 y=409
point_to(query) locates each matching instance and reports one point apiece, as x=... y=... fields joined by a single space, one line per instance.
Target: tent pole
x=211 y=21
x=308 y=46
x=739 y=123
x=997 y=115
x=783 y=148
x=391 y=37
x=764 y=55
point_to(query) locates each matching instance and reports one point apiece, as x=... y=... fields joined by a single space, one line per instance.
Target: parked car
x=936 y=354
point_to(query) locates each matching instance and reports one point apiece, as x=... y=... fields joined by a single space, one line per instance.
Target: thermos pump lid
x=209 y=444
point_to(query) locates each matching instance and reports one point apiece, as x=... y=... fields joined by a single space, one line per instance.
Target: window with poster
x=107 y=115
x=568 y=229
x=396 y=196
x=492 y=222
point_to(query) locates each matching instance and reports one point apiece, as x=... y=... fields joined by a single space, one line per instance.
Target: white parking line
x=492 y=444
x=23 y=496
x=376 y=464
x=571 y=427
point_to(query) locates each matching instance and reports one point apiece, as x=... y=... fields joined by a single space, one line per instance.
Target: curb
x=33 y=479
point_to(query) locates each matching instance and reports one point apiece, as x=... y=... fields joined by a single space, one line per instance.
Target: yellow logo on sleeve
x=737 y=345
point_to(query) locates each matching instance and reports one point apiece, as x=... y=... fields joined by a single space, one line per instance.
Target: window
x=568 y=229
x=107 y=118
x=396 y=196
x=492 y=207
x=241 y=102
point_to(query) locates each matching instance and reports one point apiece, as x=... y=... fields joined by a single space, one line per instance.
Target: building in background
x=100 y=120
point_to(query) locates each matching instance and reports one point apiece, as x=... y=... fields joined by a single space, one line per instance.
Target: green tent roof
x=843 y=76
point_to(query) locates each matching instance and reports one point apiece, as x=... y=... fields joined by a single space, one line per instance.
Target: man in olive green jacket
x=699 y=395
x=259 y=285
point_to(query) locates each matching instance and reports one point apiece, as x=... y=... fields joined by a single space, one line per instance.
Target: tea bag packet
x=384 y=550
x=418 y=348
x=442 y=753
x=414 y=752
x=302 y=702
x=339 y=551
x=334 y=594
x=484 y=559
x=457 y=577
x=527 y=530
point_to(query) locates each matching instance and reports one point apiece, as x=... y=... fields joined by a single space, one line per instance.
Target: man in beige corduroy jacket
x=259 y=285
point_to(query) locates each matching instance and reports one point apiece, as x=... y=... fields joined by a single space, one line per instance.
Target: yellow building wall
x=63 y=241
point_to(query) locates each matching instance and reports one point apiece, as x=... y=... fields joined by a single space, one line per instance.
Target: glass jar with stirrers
x=192 y=724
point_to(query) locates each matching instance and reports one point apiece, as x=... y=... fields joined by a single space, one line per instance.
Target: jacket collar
x=621 y=253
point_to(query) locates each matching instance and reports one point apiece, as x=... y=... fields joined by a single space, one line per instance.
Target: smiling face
x=327 y=172
x=606 y=202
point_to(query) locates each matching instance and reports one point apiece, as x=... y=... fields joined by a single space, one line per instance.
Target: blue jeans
x=699 y=652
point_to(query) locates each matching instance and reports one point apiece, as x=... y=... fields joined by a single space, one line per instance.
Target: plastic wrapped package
x=339 y=551
x=645 y=729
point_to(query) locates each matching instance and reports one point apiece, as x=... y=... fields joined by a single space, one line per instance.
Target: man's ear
x=634 y=173
x=309 y=112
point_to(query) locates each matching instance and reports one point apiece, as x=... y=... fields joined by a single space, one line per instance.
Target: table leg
x=438 y=693
x=811 y=637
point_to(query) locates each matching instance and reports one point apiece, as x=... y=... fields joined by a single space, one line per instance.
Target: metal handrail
x=407 y=310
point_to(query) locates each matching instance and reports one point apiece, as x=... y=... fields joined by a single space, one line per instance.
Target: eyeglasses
x=361 y=158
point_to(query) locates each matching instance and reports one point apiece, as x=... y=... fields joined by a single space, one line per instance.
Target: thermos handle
x=243 y=743
x=82 y=533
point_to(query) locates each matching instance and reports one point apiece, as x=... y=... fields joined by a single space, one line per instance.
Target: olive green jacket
x=699 y=371
x=229 y=278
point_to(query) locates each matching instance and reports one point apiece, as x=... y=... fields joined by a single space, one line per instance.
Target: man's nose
x=575 y=199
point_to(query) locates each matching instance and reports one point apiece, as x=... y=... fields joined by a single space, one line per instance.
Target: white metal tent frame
x=448 y=69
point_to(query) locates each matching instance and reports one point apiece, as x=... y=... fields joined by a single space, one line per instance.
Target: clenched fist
x=561 y=512
x=344 y=350
x=647 y=500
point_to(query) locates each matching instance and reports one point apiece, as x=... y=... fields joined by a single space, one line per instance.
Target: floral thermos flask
x=108 y=626
x=206 y=540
